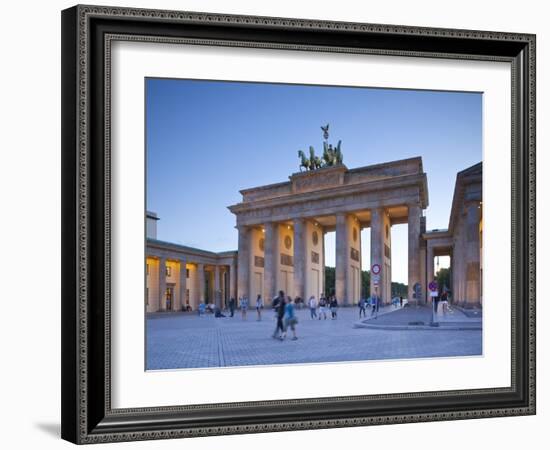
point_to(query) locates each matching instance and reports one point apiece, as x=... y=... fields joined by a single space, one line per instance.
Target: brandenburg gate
x=282 y=227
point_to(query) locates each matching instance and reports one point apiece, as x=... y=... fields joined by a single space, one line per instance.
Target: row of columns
x=201 y=281
x=379 y=221
x=466 y=257
x=465 y=254
x=271 y=255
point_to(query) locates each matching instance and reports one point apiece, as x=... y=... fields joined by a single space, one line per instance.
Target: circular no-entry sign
x=433 y=286
x=375 y=269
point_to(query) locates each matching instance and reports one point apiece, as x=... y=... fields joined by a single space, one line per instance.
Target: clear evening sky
x=207 y=140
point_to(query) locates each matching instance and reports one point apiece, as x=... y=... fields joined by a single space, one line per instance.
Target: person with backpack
x=280 y=305
x=259 y=307
x=362 y=310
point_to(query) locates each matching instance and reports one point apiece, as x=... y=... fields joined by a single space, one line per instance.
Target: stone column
x=472 y=255
x=201 y=286
x=323 y=280
x=232 y=279
x=377 y=249
x=243 y=263
x=183 y=284
x=341 y=257
x=456 y=262
x=271 y=255
x=162 y=284
x=217 y=287
x=414 y=249
x=299 y=258
x=429 y=271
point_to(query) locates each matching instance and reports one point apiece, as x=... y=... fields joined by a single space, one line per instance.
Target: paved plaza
x=185 y=340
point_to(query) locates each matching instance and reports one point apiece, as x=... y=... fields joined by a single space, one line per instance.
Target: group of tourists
x=284 y=308
x=373 y=302
x=319 y=309
x=244 y=305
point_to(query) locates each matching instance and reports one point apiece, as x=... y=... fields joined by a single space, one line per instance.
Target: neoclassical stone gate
x=282 y=226
x=281 y=230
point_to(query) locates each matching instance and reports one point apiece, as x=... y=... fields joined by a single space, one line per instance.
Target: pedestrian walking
x=280 y=304
x=231 y=307
x=334 y=307
x=290 y=319
x=323 y=307
x=312 y=304
x=274 y=305
x=259 y=306
x=362 y=311
x=243 y=305
x=202 y=309
x=401 y=301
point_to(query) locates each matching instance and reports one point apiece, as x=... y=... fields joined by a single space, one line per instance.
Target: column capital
x=377 y=211
x=299 y=220
x=341 y=218
x=270 y=226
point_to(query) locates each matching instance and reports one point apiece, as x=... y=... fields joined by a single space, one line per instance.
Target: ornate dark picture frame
x=87 y=33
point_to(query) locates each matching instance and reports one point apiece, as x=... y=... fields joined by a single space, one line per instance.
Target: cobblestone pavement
x=422 y=314
x=188 y=341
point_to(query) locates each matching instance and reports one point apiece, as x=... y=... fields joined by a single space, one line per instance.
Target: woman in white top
x=259 y=306
x=312 y=303
x=244 y=306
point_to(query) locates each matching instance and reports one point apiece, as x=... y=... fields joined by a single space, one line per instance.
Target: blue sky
x=206 y=140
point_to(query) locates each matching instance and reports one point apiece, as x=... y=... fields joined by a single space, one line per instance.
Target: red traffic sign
x=433 y=286
x=375 y=269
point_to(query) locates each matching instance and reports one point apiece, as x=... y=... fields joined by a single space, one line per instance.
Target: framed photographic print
x=280 y=224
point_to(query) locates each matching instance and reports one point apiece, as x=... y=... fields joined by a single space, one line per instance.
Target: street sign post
x=375 y=274
x=417 y=292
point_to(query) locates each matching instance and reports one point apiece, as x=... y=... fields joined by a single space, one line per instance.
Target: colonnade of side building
x=179 y=278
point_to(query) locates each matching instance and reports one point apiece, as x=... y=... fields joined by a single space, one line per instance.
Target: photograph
x=310 y=224
x=281 y=222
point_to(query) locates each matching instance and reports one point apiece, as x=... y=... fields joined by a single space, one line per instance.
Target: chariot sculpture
x=332 y=156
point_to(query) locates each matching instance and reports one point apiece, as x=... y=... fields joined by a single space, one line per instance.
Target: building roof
x=312 y=190
x=164 y=245
x=468 y=186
